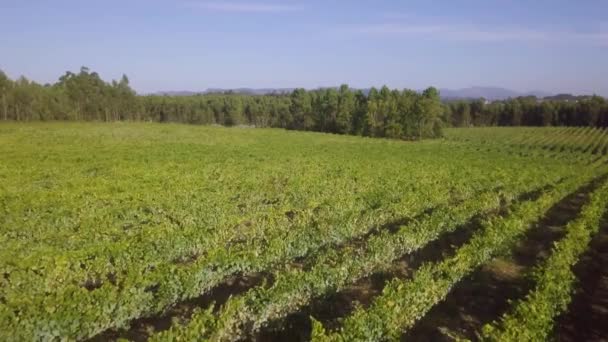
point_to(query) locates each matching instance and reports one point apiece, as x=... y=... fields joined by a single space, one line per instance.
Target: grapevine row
x=334 y=271
x=146 y=291
x=532 y=318
x=402 y=303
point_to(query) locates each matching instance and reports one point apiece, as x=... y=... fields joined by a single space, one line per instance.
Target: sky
x=548 y=45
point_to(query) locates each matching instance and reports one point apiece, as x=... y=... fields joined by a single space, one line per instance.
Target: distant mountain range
x=488 y=93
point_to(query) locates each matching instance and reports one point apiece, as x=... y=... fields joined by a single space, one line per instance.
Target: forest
x=384 y=112
x=529 y=111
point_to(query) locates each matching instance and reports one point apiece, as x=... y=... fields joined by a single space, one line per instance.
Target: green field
x=114 y=230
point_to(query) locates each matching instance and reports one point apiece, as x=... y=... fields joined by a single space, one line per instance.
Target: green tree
x=392 y=120
x=300 y=111
x=547 y=112
x=233 y=110
x=407 y=108
x=373 y=122
x=359 y=113
x=429 y=119
x=345 y=111
x=5 y=87
x=463 y=119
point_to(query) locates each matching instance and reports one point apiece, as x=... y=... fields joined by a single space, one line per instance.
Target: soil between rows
x=490 y=291
x=587 y=316
x=331 y=308
x=495 y=283
x=142 y=328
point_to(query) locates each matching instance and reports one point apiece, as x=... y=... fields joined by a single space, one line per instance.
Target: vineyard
x=167 y=232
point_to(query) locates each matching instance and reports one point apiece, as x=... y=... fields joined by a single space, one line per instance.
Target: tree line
x=85 y=96
x=384 y=112
x=529 y=111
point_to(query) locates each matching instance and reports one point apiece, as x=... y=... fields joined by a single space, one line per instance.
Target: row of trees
x=405 y=114
x=529 y=111
x=85 y=96
x=380 y=113
x=82 y=96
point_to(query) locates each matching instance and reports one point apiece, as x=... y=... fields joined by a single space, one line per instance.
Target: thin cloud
x=480 y=34
x=246 y=7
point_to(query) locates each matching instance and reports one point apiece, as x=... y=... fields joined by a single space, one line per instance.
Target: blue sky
x=555 y=46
